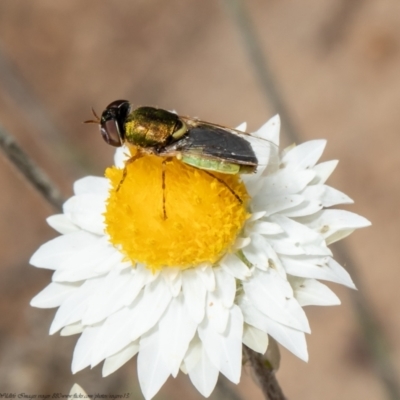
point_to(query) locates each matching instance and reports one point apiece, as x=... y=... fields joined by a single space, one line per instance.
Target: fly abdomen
x=211 y=165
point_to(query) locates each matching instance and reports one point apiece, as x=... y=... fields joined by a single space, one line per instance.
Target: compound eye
x=110 y=132
x=117 y=104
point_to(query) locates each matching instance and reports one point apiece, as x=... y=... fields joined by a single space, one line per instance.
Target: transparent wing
x=225 y=144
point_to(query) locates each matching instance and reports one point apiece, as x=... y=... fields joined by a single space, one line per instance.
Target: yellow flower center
x=203 y=215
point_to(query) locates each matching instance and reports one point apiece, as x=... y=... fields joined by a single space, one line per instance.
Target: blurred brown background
x=336 y=64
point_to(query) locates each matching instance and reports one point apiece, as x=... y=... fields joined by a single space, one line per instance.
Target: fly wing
x=225 y=144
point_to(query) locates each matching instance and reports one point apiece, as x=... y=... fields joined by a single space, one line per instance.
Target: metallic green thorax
x=148 y=126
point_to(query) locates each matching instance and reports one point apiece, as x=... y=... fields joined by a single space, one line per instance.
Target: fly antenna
x=93 y=121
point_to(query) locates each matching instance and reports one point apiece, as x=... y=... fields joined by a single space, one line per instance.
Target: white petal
x=152 y=369
x=242 y=127
x=273 y=258
x=318 y=196
x=304 y=155
x=297 y=232
x=234 y=266
x=72 y=329
x=122 y=154
x=256 y=216
x=240 y=243
x=194 y=293
x=204 y=374
x=53 y=295
x=86 y=211
x=225 y=287
x=276 y=204
x=117 y=331
x=111 y=364
x=315 y=198
x=299 y=239
x=72 y=309
x=220 y=300
x=83 y=349
x=156 y=299
x=170 y=273
x=141 y=276
x=53 y=253
x=319 y=268
x=268 y=161
x=330 y=223
x=91 y=184
x=193 y=355
x=176 y=331
x=255 y=255
x=62 y=224
x=183 y=368
x=339 y=236
x=311 y=292
x=77 y=392
x=343 y=276
x=270 y=130
x=292 y=339
x=206 y=274
x=86 y=271
x=323 y=171
x=91 y=261
x=286 y=150
x=285 y=182
x=173 y=277
x=114 y=335
x=254 y=338
x=225 y=351
x=217 y=314
x=266 y=255
x=266 y=228
x=273 y=296
x=107 y=299
x=305 y=208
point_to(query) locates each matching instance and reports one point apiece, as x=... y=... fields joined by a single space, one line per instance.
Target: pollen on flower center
x=203 y=215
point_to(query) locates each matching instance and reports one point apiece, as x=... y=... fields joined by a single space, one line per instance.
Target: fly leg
x=225 y=184
x=125 y=171
x=163 y=164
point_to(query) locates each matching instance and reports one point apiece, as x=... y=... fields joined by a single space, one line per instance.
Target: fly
x=207 y=146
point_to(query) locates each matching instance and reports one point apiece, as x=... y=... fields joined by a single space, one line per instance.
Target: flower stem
x=30 y=170
x=265 y=375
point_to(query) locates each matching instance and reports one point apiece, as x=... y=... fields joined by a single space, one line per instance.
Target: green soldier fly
x=204 y=145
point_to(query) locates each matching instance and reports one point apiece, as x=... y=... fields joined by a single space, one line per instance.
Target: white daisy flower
x=186 y=292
